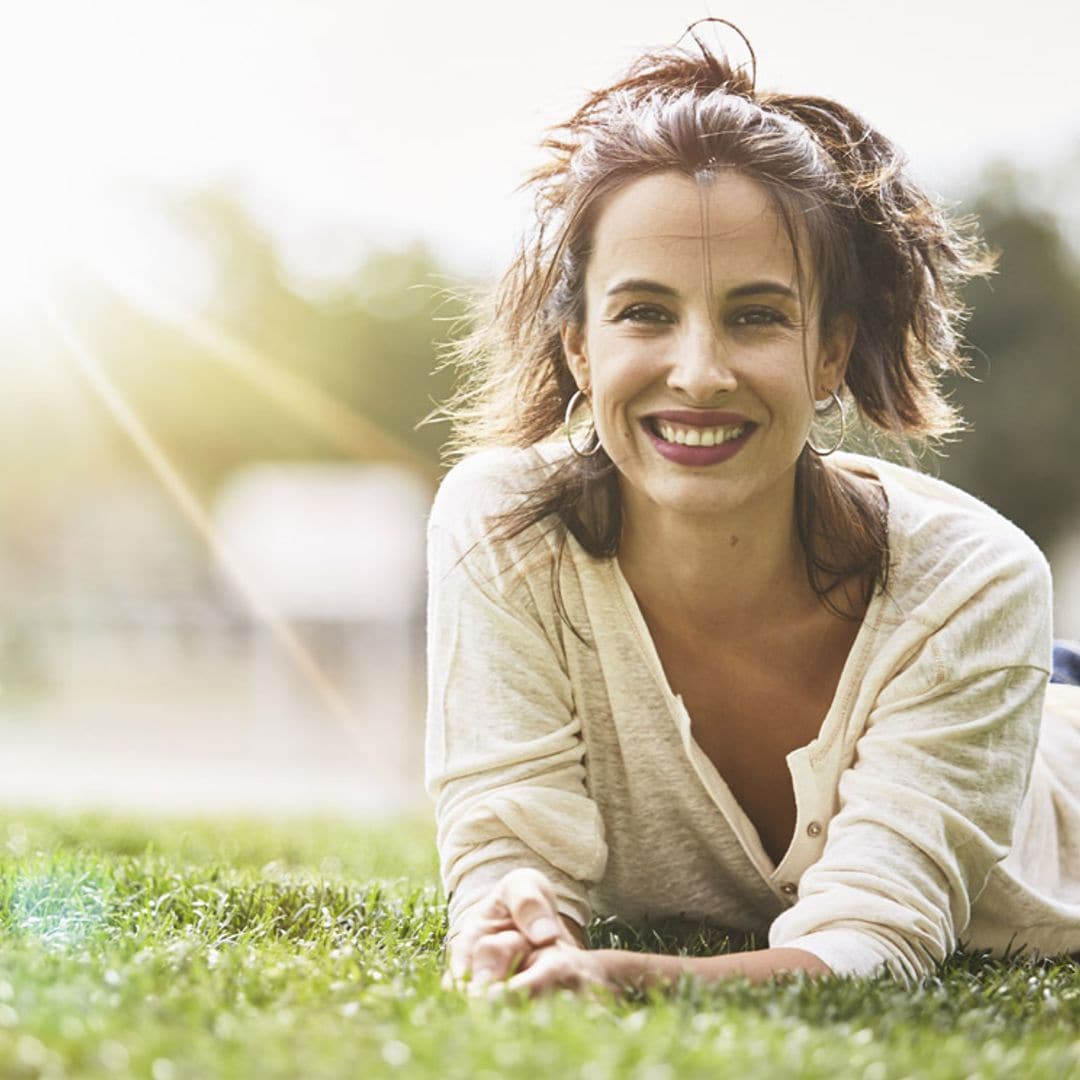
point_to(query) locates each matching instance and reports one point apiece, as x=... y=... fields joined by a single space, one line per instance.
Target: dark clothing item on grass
x=1066 y=663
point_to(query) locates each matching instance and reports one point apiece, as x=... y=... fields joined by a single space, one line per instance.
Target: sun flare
x=33 y=233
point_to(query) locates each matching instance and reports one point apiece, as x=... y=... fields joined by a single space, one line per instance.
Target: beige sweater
x=939 y=802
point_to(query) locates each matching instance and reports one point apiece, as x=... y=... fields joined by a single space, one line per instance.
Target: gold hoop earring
x=571 y=405
x=834 y=399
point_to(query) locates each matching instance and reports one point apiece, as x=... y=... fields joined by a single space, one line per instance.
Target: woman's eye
x=760 y=316
x=644 y=313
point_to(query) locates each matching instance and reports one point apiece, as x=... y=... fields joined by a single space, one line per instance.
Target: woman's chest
x=749 y=710
x=749 y=750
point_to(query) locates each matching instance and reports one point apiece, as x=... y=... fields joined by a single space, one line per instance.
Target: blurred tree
x=1023 y=452
x=268 y=373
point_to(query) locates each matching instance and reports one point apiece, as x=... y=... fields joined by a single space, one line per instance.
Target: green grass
x=170 y=950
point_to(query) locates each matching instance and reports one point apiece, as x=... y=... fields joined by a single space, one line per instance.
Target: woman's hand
x=502 y=935
x=560 y=966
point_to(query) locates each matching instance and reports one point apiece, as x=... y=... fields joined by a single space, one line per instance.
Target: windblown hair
x=872 y=246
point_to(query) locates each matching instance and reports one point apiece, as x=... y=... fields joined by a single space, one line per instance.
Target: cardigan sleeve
x=504 y=750
x=931 y=799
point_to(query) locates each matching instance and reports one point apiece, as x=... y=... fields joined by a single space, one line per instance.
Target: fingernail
x=544 y=927
x=482 y=976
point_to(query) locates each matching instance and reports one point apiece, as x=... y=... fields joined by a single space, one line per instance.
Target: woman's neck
x=718 y=575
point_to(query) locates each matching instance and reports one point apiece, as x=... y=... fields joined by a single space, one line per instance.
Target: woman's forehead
x=669 y=222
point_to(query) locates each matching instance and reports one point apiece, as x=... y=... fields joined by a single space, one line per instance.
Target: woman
x=684 y=660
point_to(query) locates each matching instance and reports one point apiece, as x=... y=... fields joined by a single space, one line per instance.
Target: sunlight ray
x=341 y=426
x=179 y=491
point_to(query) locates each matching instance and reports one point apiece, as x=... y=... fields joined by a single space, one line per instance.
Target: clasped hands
x=516 y=940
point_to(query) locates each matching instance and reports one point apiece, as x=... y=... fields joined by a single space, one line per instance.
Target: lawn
x=203 y=948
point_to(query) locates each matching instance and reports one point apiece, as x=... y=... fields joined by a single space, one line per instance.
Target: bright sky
x=346 y=119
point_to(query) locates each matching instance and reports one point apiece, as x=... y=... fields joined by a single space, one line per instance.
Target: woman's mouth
x=685 y=435
x=695 y=444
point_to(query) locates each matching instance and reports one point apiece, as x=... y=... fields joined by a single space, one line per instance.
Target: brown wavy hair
x=878 y=249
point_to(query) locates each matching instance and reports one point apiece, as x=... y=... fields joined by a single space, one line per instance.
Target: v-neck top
x=938 y=804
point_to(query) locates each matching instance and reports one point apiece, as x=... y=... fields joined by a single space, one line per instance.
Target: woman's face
x=700 y=357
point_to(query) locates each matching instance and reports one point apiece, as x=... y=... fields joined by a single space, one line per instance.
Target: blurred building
x=138 y=666
x=337 y=551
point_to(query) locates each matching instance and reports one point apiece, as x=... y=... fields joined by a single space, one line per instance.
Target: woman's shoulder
x=949 y=551
x=936 y=521
x=488 y=483
x=482 y=520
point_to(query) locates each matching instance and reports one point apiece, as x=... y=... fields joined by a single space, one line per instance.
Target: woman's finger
x=461 y=943
x=459 y=955
x=497 y=956
x=530 y=900
x=549 y=970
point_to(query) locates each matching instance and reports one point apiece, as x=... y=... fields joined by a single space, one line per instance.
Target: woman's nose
x=700 y=367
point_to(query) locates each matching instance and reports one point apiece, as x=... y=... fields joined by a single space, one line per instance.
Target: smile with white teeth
x=697 y=436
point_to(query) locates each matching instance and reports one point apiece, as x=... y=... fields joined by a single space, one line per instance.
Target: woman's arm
x=930 y=802
x=505 y=755
x=559 y=967
x=518 y=935
x=646 y=969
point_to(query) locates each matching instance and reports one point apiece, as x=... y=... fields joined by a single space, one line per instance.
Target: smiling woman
x=690 y=662
x=692 y=294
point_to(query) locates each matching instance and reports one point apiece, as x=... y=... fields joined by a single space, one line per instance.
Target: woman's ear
x=835 y=353
x=573 y=343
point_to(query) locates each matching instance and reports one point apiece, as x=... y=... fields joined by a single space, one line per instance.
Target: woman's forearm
x=640 y=970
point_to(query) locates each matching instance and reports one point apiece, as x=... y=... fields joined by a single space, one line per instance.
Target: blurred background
x=232 y=240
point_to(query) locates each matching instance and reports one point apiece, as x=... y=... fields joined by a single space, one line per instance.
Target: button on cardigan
x=939 y=803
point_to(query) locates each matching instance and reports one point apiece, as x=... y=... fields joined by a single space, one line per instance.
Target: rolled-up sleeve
x=504 y=749
x=930 y=801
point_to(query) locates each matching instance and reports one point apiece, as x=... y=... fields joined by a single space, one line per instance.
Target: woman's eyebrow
x=757 y=288
x=641 y=285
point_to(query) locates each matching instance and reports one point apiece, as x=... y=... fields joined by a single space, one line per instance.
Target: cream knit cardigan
x=939 y=802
